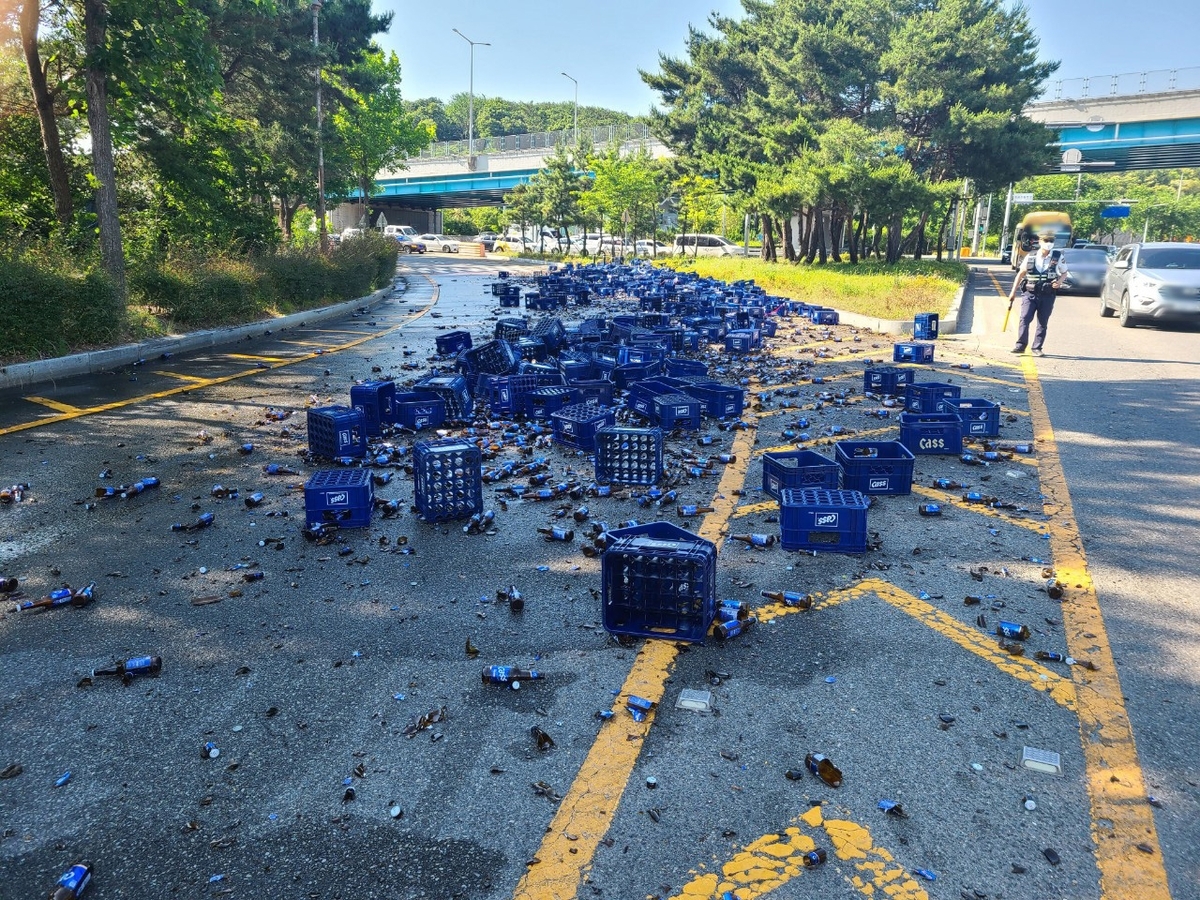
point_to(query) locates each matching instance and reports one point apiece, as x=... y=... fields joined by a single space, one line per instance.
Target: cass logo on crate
x=825 y=520
x=682 y=410
x=344 y=439
x=932 y=444
x=977 y=427
x=568 y=427
x=879 y=484
x=337 y=498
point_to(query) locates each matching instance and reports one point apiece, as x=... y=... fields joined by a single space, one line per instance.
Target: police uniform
x=1038 y=271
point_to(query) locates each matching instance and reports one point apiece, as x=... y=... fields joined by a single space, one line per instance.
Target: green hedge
x=44 y=312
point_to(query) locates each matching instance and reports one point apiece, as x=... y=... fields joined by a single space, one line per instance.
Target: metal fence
x=1156 y=81
x=542 y=140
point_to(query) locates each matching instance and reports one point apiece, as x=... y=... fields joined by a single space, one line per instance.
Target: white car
x=651 y=248
x=439 y=242
x=348 y=233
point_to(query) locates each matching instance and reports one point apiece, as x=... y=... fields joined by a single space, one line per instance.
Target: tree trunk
x=876 y=234
x=893 y=242
x=112 y=253
x=920 y=251
x=810 y=228
x=837 y=224
x=942 y=231
x=789 y=247
x=56 y=164
x=768 y=245
x=823 y=235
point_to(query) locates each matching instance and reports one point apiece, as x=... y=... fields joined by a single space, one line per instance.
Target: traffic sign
x=1115 y=212
x=1022 y=197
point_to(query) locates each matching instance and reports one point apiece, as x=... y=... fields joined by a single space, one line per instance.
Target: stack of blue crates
x=629 y=456
x=823 y=521
x=542 y=402
x=336 y=431
x=342 y=497
x=449 y=479
x=671 y=411
x=660 y=584
x=889 y=380
x=875 y=467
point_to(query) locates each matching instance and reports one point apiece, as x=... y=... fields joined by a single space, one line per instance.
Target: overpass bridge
x=1143 y=120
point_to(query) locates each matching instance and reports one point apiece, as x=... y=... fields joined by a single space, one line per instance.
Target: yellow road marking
x=587 y=810
x=752 y=508
x=326 y=346
x=54 y=404
x=325 y=331
x=775 y=859
x=255 y=358
x=194 y=379
x=945 y=497
x=209 y=382
x=1121 y=817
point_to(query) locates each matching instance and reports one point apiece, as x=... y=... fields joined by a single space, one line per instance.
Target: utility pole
x=1007 y=213
x=316 y=9
x=471 y=99
x=565 y=75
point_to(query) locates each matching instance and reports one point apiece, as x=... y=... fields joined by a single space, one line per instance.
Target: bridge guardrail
x=541 y=140
x=1155 y=81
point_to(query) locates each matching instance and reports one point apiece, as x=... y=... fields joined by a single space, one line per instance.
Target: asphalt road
x=313 y=679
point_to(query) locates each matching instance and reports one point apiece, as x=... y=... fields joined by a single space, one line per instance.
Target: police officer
x=1039 y=278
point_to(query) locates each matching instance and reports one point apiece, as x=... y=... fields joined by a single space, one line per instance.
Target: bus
x=1026 y=234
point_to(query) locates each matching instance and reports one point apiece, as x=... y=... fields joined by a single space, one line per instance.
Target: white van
x=705 y=245
x=393 y=230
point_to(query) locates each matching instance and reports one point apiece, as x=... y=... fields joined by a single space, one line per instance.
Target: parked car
x=409 y=244
x=1155 y=282
x=1086 y=267
x=513 y=245
x=488 y=239
x=705 y=245
x=650 y=248
x=348 y=233
x=393 y=230
x=440 y=242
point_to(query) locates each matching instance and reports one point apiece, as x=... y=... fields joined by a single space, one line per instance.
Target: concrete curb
x=947 y=324
x=23 y=375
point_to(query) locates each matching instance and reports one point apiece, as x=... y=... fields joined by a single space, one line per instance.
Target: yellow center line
x=752 y=508
x=326 y=331
x=255 y=358
x=210 y=382
x=194 y=379
x=944 y=497
x=587 y=809
x=54 y=404
x=1121 y=817
x=328 y=347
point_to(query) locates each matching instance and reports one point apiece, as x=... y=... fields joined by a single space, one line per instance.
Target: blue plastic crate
x=979 y=417
x=342 y=497
x=542 y=402
x=452 y=341
x=660 y=587
x=511 y=329
x=911 y=351
x=927 y=396
x=576 y=426
x=510 y=301
x=681 y=367
x=624 y=376
x=797 y=470
x=822 y=316
x=598 y=391
x=769 y=327
x=376 y=400
x=552 y=333
x=449 y=479
x=505 y=394
x=629 y=456
x=419 y=409
x=875 y=467
x=721 y=401
x=925 y=327
x=496 y=357
x=644 y=354
x=887 y=380
x=671 y=411
x=824 y=521
x=453 y=391
x=335 y=431
x=743 y=341
x=931 y=433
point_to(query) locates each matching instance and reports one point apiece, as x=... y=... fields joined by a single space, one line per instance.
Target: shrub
x=45 y=311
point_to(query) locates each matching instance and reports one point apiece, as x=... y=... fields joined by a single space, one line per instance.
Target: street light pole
x=471 y=96
x=324 y=234
x=576 y=83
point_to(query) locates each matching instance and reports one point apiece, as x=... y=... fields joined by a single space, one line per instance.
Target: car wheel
x=1127 y=321
x=1106 y=311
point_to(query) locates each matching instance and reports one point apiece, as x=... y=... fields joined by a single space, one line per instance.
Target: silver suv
x=1153 y=282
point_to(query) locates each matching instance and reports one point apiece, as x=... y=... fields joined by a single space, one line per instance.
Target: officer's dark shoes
x=1017 y=350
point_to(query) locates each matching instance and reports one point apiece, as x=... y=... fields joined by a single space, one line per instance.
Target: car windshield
x=1097 y=257
x=1169 y=258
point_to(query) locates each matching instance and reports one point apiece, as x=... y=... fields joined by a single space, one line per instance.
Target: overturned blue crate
x=511 y=329
x=979 y=417
x=820 y=520
x=419 y=410
x=452 y=342
x=376 y=400
x=797 y=470
x=912 y=351
x=721 y=401
x=889 y=380
x=552 y=333
x=342 y=497
x=496 y=357
x=680 y=367
x=336 y=431
x=769 y=327
x=660 y=586
x=875 y=467
x=575 y=426
x=541 y=402
x=672 y=411
x=453 y=391
x=629 y=455
x=448 y=479
x=510 y=301
x=925 y=327
x=931 y=433
x=576 y=369
x=505 y=394
x=927 y=396
x=530 y=347
x=823 y=316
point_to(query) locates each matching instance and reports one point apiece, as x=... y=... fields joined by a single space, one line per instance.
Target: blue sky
x=603 y=44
